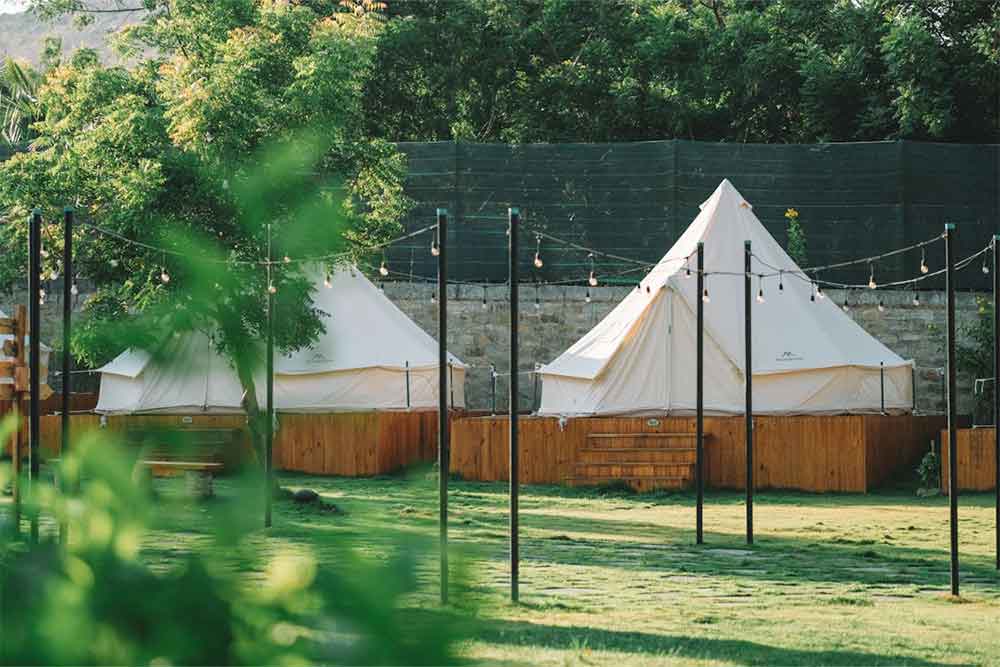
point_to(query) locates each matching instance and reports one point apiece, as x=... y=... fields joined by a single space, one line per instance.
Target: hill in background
x=22 y=35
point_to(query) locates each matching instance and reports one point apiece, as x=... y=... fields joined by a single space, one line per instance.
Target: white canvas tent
x=808 y=356
x=368 y=356
x=44 y=362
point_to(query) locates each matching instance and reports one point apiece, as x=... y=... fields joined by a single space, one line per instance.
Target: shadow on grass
x=521 y=633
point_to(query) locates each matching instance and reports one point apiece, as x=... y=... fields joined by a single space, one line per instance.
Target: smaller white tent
x=808 y=356
x=46 y=352
x=371 y=357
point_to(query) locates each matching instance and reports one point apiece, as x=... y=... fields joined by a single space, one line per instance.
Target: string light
x=286 y=259
x=164 y=276
x=538 y=304
x=704 y=296
x=383 y=270
x=871 y=278
x=113 y=262
x=435 y=249
x=592 y=280
x=434 y=298
x=328 y=281
x=272 y=289
x=687 y=267
x=847 y=305
x=986 y=269
x=484 y=298
x=781 y=282
x=760 y=288
x=819 y=292
x=812 y=296
x=916 y=294
x=881 y=305
x=587 y=298
x=41 y=297
x=538 y=252
x=923 y=261
x=73 y=289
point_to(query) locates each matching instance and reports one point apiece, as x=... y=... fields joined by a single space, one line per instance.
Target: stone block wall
x=479 y=333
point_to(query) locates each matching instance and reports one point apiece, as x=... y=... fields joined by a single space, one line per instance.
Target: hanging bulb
x=434 y=298
x=45 y=253
x=587 y=298
x=923 y=262
x=846 y=306
x=647 y=289
x=435 y=250
x=687 y=271
x=485 y=306
x=881 y=306
x=592 y=280
x=272 y=289
x=781 y=281
x=55 y=274
x=812 y=296
x=164 y=276
x=538 y=304
x=819 y=292
x=538 y=261
x=286 y=259
x=871 y=282
x=41 y=297
x=916 y=299
x=383 y=270
x=113 y=263
x=986 y=269
x=328 y=281
x=704 y=296
x=73 y=289
x=538 y=252
x=760 y=296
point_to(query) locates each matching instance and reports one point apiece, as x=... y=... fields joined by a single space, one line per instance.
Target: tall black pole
x=700 y=398
x=748 y=370
x=34 y=352
x=514 y=219
x=67 y=321
x=996 y=386
x=67 y=331
x=949 y=249
x=269 y=442
x=444 y=442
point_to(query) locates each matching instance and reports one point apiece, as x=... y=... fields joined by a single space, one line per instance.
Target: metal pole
x=514 y=220
x=443 y=369
x=881 y=380
x=407 y=385
x=67 y=331
x=34 y=354
x=493 y=389
x=451 y=383
x=949 y=246
x=748 y=371
x=996 y=387
x=700 y=398
x=269 y=444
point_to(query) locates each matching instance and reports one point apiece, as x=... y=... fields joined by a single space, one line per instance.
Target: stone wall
x=479 y=334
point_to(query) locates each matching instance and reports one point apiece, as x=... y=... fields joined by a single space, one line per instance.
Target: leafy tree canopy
x=729 y=70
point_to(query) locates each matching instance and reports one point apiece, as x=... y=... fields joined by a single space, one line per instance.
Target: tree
x=18 y=101
x=729 y=70
x=244 y=119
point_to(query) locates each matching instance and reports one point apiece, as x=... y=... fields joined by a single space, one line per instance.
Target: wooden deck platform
x=848 y=453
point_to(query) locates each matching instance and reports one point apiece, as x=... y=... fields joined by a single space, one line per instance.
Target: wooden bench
x=198 y=453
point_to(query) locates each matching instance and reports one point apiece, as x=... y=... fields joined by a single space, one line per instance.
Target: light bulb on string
x=986 y=268
x=434 y=298
x=847 y=305
x=881 y=306
x=871 y=278
x=383 y=270
x=41 y=297
x=812 y=296
x=286 y=259
x=485 y=306
x=164 y=276
x=760 y=289
x=781 y=282
x=271 y=289
x=44 y=253
x=538 y=252
x=538 y=304
x=586 y=299
x=916 y=295
x=923 y=261
x=687 y=267
x=435 y=249
x=819 y=292
x=328 y=281
x=592 y=280
x=704 y=296
x=113 y=263
x=73 y=289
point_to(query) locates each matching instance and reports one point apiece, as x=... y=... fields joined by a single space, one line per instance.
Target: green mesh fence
x=635 y=199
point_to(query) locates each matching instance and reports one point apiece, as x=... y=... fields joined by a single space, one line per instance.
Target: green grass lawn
x=845 y=579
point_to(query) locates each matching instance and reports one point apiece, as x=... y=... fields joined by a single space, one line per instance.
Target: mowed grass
x=617 y=578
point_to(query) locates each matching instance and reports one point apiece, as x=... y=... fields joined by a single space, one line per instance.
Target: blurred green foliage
x=94 y=600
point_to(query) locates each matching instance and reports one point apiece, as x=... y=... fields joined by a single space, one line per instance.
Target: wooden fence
x=977 y=467
x=853 y=453
x=350 y=444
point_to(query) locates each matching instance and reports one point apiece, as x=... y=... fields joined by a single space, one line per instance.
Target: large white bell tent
x=371 y=357
x=809 y=357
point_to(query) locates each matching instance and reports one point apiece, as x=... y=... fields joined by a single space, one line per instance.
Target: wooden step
x=632 y=469
x=637 y=455
x=640 y=484
x=641 y=440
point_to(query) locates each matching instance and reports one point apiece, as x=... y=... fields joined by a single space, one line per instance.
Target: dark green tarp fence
x=635 y=199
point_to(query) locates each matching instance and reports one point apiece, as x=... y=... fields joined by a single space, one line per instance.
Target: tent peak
x=726 y=192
